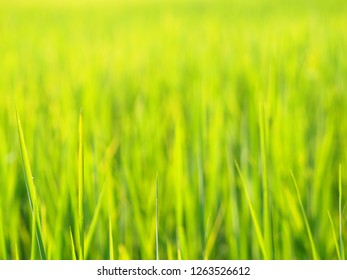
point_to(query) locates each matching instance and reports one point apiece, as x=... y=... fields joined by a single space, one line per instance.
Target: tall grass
x=307 y=224
x=184 y=89
x=81 y=187
x=342 y=249
x=157 y=219
x=36 y=231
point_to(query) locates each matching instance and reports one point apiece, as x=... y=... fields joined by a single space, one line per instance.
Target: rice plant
x=210 y=129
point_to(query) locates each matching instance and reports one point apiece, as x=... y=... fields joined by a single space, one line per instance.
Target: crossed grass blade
x=307 y=224
x=73 y=249
x=266 y=192
x=31 y=190
x=334 y=236
x=93 y=224
x=342 y=251
x=258 y=231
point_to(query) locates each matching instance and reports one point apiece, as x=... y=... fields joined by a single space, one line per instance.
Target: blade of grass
x=266 y=206
x=93 y=224
x=3 y=254
x=170 y=251
x=179 y=254
x=334 y=236
x=16 y=251
x=342 y=251
x=258 y=232
x=211 y=241
x=201 y=185
x=157 y=220
x=72 y=246
x=233 y=236
x=81 y=188
x=33 y=235
x=110 y=236
x=182 y=246
x=307 y=225
x=123 y=252
x=31 y=190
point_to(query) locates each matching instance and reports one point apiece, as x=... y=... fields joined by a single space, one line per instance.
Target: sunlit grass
x=196 y=117
x=36 y=228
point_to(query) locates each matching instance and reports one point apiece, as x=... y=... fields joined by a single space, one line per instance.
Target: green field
x=234 y=111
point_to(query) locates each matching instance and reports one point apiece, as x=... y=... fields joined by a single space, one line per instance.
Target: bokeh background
x=187 y=92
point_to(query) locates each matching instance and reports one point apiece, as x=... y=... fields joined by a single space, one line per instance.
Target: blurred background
x=188 y=90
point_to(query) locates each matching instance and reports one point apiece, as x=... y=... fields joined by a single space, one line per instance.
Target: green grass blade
x=307 y=225
x=16 y=251
x=211 y=241
x=33 y=200
x=33 y=237
x=258 y=232
x=26 y=166
x=72 y=246
x=3 y=254
x=39 y=235
x=342 y=251
x=202 y=205
x=264 y=175
x=110 y=235
x=334 y=236
x=94 y=222
x=157 y=220
x=81 y=188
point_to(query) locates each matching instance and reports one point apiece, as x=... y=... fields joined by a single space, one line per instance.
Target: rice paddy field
x=173 y=129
